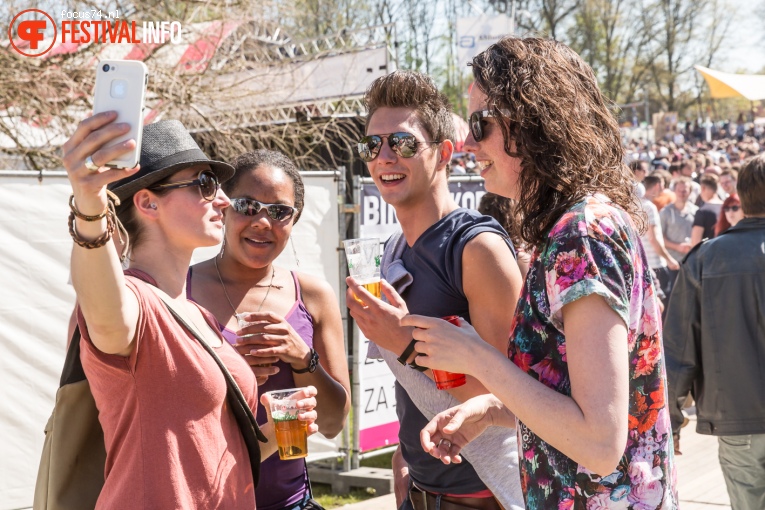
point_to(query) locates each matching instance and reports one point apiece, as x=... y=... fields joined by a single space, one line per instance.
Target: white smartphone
x=121 y=86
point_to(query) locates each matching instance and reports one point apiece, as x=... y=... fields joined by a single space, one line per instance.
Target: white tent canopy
x=724 y=85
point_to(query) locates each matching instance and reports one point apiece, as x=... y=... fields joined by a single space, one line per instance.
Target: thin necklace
x=225 y=292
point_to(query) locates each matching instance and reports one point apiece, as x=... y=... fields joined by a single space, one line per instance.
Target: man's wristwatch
x=405 y=356
x=313 y=363
x=407 y=352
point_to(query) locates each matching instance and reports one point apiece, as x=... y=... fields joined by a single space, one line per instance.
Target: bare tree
x=611 y=36
x=680 y=24
x=553 y=14
x=307 y=19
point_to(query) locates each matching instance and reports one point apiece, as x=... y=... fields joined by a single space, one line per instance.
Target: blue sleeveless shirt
x=435 y=263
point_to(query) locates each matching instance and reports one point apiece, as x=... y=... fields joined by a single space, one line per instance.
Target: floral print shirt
x=595 y=249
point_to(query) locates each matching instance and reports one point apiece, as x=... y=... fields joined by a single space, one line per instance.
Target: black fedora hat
x=166 y=148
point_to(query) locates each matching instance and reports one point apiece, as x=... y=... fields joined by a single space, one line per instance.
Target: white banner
x=36 y=301
x=477 y=33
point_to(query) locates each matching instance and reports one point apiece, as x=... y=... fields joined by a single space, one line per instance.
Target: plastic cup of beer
x=291 y=433
x=363 y=256
x=446 y=380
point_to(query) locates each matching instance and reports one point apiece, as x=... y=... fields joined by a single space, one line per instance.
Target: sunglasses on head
x=477 y=122
x=403 y=144
x=206 y=180
x=733 y=208
x=250 y=207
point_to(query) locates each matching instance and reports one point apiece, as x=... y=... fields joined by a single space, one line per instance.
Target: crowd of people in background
x=688 y=191
x=463 y=163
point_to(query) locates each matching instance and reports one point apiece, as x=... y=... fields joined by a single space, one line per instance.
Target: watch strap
x=313 y=363
x=407 y=352
x=415 y=366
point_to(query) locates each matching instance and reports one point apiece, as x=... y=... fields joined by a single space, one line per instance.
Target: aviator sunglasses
x=403 y=144
x=206 y=180
x=250 y=207
x=732 y=208
x=477 y=122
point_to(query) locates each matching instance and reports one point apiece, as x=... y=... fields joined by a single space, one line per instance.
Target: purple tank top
x=283 y=483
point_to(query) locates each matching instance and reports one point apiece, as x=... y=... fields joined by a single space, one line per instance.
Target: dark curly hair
x=546 y=99
x=274 y=159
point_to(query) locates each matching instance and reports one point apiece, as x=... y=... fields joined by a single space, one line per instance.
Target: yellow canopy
x=722 y=85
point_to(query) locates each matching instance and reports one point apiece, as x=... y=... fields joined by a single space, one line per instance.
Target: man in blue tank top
x=460 y=262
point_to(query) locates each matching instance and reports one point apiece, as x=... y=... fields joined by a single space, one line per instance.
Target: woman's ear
x=146 y=203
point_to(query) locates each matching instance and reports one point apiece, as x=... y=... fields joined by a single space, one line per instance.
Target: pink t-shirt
x=171 y=440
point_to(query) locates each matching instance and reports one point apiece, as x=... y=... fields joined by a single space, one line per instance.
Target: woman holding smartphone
x=171 y=439
x=585 y=376
x=295 y=333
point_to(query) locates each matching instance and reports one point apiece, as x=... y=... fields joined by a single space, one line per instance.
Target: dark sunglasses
x=477 y=122
x=733 y=208
x=206 y=180
x=250 y=207
x=403 y=144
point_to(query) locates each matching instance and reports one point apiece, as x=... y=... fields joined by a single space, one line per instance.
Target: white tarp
x=36 y=301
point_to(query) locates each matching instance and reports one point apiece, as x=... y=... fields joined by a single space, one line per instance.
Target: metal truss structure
x=303 y=112
x=265 y=47
x=273 y=48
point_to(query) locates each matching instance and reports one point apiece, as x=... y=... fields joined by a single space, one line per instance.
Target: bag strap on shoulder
x=245 y=419
x=181 y=317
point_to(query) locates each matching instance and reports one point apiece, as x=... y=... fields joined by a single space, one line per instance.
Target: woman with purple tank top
x=295 y=338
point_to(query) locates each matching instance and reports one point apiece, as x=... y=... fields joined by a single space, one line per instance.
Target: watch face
x=314 y=361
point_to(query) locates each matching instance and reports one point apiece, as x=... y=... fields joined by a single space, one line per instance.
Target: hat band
x=192 y=156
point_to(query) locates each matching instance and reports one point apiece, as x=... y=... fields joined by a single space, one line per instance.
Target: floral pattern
x=594 y=248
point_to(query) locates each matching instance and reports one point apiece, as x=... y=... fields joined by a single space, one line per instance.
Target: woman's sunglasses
x=477 y=122
x=732 y=208
x=206 y=180
x=403 y=144
x=250 y=207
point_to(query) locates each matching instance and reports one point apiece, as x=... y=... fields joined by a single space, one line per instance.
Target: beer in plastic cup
x=374 y=287
x=446 y=380
x=291 y=433
x=363 y=256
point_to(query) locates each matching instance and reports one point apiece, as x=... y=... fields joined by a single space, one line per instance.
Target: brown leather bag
x=71 y=473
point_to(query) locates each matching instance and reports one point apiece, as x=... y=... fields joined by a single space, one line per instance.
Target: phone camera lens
x=106 y=68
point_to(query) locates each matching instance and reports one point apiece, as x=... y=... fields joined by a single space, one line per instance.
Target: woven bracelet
x=98 y=241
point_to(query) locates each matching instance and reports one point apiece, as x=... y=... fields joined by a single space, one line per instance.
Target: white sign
x=475 y=34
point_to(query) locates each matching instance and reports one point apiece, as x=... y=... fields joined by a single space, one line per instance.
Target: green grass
x=323 y=493
x=378 y=461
